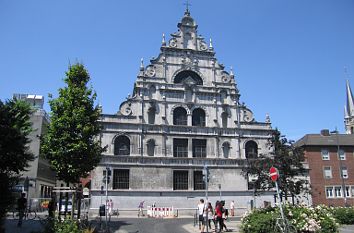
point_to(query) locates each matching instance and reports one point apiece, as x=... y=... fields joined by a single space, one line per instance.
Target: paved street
x=140 y=225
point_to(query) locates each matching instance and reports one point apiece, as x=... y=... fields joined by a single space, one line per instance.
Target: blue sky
x=288 y=56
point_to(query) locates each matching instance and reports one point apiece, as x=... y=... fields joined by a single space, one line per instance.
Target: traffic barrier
x=160 y=212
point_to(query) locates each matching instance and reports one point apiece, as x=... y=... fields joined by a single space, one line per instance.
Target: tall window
x=251 y=150
x=226 y=149
x=344 y=172
x=180 y=180
x=151 y=147
x=329 y=192
x=199 y=148
x=347 y=191
x=120 y=179
x=325 y=154
x=180 y=147
x=198 y=117
x=224 y=117
x=327 y=172
x=342 y=155
x=180 y=116
x=338 y=191
x=151 y=115
x=199 y=183
x=122 y=145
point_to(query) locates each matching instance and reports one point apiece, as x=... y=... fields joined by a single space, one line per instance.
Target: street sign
x=273 y=173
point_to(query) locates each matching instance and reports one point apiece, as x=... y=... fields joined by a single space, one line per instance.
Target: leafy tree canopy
x=15 y=127
x=287 y=158
x=70 y=143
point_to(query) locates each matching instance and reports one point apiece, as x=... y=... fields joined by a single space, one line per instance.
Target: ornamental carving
x=150 y=71
x=173 y=42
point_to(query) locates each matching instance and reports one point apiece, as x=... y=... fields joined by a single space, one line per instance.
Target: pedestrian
x=210 y=215
x=218 y=217
x=110 y=208
x=232 y=208
x=51 y=207
x=21 y=206
x=200 y=212
x=225 y=216
x=141 y=208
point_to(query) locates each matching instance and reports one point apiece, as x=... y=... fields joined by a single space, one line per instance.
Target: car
x=62 y=209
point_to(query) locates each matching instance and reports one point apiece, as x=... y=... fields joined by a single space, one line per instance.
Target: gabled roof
x=321 y=140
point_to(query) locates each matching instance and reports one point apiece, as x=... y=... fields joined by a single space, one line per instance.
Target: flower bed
x=304 y=219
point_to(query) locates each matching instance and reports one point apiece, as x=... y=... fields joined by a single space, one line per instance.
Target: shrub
x=304 y=219
x=67 y=226
x=343 y=215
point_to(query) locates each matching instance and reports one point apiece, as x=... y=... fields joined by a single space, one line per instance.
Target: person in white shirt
x=232 y=208
x=200 y=212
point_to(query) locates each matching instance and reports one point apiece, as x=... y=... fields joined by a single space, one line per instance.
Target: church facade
x=184 y=116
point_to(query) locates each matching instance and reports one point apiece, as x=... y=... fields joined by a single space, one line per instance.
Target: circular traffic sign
x=273 y=173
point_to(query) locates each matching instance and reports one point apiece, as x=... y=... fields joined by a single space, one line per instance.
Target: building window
x=122 y=145
x=251 y=150
x=151 y=115
x=224 y=117
x=179 y=116
x=329 y=192
x=198 y=180
x=226 y=149
x=352 y=191
x=347 y=191
x=338 y=191
x=325 y=154
x=199 y=148
x=345 y=172
x=121 y=179
x=151 y=147
x=180 y=147
x=342 y=155
x=180 y=180
x=198 y=117
x=327 y=172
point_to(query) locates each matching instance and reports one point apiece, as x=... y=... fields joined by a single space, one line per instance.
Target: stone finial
x=210 y=44
x=141 y=64
x=232 y=72
x=267 y=120
x=163 y=39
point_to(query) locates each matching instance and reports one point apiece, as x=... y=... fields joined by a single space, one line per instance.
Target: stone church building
x=184 y=114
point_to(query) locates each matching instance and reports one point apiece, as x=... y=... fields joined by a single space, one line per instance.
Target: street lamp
x=341 y=166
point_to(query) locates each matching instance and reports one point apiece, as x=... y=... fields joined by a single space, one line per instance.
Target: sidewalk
x=232 y=225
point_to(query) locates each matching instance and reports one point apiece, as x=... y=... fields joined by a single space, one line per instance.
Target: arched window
x=180 y=116
x=122 y=145
x=226 y=149
x=188 y=77
x=151 y=147
x=224 y=117
x=198 y=117
x=251 y=150
x=151 y=115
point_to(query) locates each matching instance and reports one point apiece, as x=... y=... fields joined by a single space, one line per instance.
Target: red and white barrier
x=160 y=212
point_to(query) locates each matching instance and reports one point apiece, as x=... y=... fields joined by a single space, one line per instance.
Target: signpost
x=274 y=175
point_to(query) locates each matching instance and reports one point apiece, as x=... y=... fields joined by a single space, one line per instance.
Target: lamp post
x=341 y=167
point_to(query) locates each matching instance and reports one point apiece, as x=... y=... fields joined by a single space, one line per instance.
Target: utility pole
x=341 y=167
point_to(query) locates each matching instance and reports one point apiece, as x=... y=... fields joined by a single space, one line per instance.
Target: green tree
x=71 y=143
x=287 y=158
x=15 y=127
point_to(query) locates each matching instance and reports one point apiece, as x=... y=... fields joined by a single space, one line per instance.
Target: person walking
x=21 y=206
x=218 y=215
x=210 y=215
x=225 y=216
x=51 y=207
x=200 y=212
x=141 y=208
x=110 y=208
x=232 y=208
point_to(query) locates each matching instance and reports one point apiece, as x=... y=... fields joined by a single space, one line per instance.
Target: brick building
x=330 y=159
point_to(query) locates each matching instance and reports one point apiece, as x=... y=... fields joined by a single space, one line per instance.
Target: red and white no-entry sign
x=273 y=172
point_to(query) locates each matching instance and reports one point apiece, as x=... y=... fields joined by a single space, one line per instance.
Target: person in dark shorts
x=21 y=206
